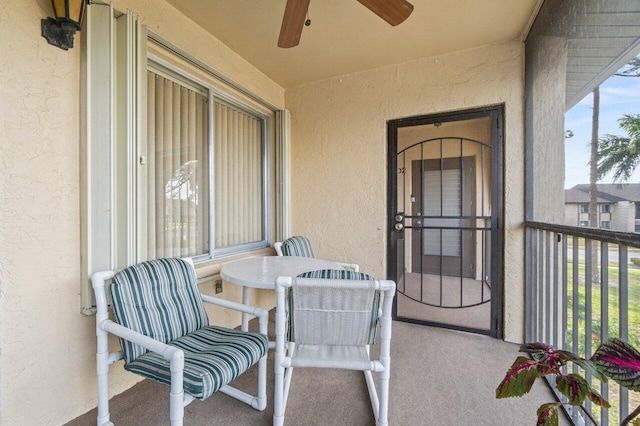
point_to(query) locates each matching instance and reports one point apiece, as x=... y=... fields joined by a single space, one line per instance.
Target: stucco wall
x=47 y=348
x=546 y=73
x=339 y=156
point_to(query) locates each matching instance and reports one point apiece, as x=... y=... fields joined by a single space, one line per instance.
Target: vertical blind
x=177 y=169
x=239 y=200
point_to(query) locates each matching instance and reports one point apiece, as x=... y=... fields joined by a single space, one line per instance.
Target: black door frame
x=496 y=113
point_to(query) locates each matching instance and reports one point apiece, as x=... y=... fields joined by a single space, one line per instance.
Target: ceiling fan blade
x=393 y=11
x=294 y=16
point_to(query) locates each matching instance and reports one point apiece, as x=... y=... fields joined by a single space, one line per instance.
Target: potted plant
x=614 y=359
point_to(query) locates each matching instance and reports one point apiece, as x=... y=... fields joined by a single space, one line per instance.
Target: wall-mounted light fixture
x=68 y=19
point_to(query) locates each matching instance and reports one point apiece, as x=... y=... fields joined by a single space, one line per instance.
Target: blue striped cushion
x=213 y=357
x=159 y=299
x=338 y=274
x=297 y=246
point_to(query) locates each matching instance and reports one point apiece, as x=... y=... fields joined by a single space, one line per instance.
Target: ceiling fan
x=295 y=12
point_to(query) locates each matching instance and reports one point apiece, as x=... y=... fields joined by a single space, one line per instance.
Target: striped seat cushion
x=337 y=274
x=297 y=246
x=213 y=357
x=159 y=299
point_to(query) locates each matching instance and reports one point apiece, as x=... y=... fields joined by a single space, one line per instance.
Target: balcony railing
x=583 y=288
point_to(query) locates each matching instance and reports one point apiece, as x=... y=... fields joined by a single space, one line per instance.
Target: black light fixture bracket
x=59 y=34
x=68 y=15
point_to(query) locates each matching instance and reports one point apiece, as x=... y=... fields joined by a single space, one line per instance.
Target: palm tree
x=621 y=154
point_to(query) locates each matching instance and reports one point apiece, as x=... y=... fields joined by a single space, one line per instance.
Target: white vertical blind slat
x=179 y=179
x=177 y=169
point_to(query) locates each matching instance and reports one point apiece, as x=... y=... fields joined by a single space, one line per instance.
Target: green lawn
x=613 y=305
x=613 y=320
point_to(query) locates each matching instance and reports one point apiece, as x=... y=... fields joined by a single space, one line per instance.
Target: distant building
x=618 y=206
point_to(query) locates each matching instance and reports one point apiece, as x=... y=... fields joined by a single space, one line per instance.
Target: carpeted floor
x=438 y=377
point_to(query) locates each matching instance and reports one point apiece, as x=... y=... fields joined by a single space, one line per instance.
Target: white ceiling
x=345 y=37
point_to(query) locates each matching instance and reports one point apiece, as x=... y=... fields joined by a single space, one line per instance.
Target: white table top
x=261 y=272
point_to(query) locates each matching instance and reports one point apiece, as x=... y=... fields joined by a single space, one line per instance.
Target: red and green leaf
x=590 y=367
x=531 y=348
x=520 y=377
x=620 y=362
x=597 y=399
x=548 y=414
x=574 y=387
x=540 y=352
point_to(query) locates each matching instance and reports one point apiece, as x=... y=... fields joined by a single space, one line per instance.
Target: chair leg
x=278 y=396
x=103 y=389
x=176 y=397
x=261 y=400
x=102 y=370
x=383 y=409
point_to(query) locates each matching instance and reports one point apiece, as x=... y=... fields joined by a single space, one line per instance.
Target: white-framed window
x=584 y=223
x=583 y=208
x=605 y=224
x=203 y=186
x=605 y=208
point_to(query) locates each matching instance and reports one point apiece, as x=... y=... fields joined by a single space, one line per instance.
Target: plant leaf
x=597 y=399
x=574 y=387
x=542 y=353
x=548 y=414
x=620 y=362
x=535 y=347
x=520 y=377
x=591 y=367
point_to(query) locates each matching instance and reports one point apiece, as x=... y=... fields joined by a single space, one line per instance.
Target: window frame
x=155 y=64
x=583 y=208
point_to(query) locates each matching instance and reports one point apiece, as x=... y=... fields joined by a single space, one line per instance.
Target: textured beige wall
x=547 y=103
x=47 y=348
x=339 y=152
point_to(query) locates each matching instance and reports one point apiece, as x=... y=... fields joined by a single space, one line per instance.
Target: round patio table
x=261 y=272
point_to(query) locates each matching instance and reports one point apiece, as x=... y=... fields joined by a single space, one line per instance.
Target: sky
x=618 y=96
